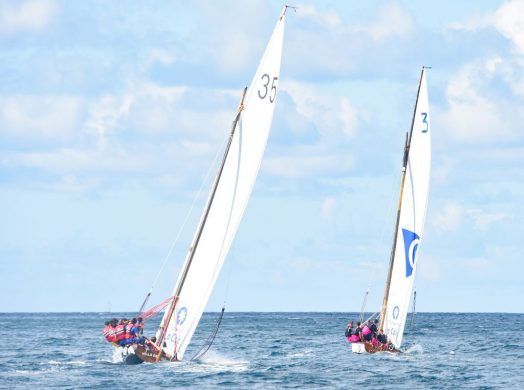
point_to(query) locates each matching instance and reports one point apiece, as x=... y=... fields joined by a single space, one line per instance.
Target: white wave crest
x=215 y=362
x=414 y=349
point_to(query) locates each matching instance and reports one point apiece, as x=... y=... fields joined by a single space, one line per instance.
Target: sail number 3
x=425 y=121
x=266 y=90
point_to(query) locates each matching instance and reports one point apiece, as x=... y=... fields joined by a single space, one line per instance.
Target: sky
x=112 y=112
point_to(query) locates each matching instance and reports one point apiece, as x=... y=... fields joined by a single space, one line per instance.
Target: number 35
x=263 y=93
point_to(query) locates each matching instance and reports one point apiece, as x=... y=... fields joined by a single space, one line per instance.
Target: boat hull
x=358 y=348
x=137 y=354
x=369 y=348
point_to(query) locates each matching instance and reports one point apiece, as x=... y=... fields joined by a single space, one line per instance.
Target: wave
x=414 y=349
x=214 y=362
x=306 y=352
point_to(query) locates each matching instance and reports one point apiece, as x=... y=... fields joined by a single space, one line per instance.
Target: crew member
x=381 y=337
x=366 y=332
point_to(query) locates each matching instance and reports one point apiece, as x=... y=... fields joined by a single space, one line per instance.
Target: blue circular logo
x=396 y=311
x=181 y=315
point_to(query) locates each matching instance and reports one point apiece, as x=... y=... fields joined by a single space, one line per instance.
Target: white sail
x=233 y=190
x=411 y=221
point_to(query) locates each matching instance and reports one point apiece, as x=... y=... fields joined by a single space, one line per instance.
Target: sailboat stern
x=358 y=348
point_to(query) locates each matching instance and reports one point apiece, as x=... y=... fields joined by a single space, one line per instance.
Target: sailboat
x=223 y=211
x=411 y=214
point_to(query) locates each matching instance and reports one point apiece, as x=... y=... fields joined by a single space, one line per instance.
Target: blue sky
x=111 y=114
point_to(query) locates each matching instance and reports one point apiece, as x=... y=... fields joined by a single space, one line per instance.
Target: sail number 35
x=266 y=90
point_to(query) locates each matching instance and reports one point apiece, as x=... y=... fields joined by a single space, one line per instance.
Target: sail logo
x=411 y=241
x=396 y=312
x=181 y=315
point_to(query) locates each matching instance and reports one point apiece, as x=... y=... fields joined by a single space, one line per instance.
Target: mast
x=399 y=208
x=194 y=245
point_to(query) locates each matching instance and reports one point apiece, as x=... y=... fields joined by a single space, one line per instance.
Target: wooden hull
x=139 y=354
x=367 y=347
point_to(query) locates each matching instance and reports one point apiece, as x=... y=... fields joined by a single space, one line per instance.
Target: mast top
x=285 y=9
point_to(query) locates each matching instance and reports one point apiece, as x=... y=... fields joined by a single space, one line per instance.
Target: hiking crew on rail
x=368 y=334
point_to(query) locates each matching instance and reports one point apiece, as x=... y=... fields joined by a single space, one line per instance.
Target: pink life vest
x=354 y=338
x=366 y=330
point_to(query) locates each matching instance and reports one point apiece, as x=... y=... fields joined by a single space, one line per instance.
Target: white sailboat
x=224 y=209
x=411 y=214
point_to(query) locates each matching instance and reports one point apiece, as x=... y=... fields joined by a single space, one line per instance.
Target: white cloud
x=331 y=113
x=474 y=114
x=509 y=21
x=307 y=164
x=453 y=215
x=448 y=219
x=105 y=114
x=232 y=50
x=70 y=161
x=72 y=183
x=484 y=219
x=330 y=18
x=430 y=268
x=391 y=21
x=48 y=116
x=33 y=15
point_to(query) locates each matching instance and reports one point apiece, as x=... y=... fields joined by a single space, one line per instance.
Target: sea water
x=267 y=351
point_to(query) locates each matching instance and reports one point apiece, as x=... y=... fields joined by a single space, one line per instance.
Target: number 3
x=425 y=120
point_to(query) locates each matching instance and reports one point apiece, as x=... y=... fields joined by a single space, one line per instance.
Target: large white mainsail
x=226 y=203
x=410 y=223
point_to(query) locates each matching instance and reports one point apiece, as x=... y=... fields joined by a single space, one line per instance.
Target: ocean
x=268 y=351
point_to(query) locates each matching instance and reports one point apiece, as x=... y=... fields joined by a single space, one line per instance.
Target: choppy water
x=268 y=351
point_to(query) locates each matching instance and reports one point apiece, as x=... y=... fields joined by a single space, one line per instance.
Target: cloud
x=430 y=268
x=475 y=115
x=307 y=162
x=105 y=114
x=33 y=15
x=231 y=50
x=329 y=18
x=48 y=116
x=391 y=21
x=483 y=219
x=509 y=21
x=448 y=219
x=66 y=161
x=331 y=113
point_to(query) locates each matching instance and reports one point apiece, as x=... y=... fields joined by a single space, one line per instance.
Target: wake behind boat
x=221 y=217
x=387 y=334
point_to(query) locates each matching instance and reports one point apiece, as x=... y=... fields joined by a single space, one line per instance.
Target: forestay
x=414 y=199
x=226 y=207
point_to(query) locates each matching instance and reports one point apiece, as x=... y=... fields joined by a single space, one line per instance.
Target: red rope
x=155 y=309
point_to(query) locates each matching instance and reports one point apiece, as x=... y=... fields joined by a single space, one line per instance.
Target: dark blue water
x=268 y=351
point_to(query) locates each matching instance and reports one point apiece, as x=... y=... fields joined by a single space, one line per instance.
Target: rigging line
x=413 y=312
x=229 y=272
x=209 y=342
x=196 y=240
x=381 y=246
x=372 y=316
x=362 y=308
x=188 y=214
x=239 y=132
